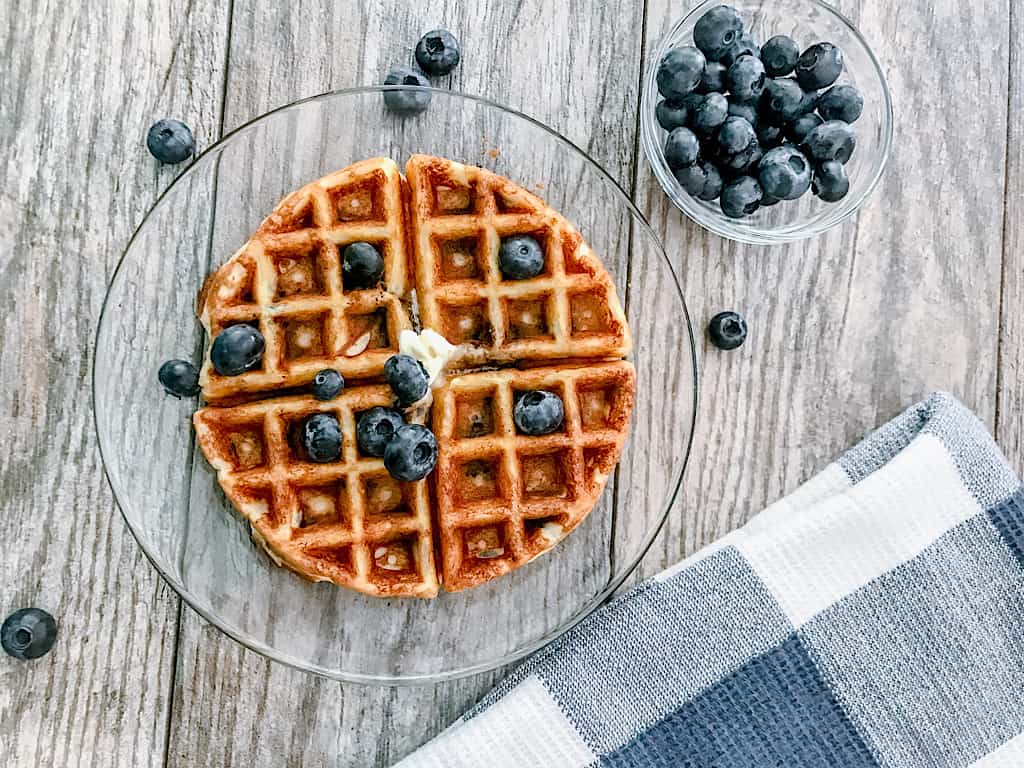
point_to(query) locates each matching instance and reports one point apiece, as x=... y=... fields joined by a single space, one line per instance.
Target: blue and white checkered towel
x=873 y=618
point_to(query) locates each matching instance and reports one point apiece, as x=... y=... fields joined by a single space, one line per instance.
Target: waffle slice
x=348 y=521
x=287 y=280
x=504 y=498
x=459 y=216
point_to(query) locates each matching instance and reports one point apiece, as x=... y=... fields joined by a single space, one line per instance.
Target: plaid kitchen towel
x=873 y=618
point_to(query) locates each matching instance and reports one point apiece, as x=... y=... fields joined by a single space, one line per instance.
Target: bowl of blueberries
x=766 y=122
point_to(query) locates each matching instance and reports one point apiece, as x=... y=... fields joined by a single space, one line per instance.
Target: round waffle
x=498 y=498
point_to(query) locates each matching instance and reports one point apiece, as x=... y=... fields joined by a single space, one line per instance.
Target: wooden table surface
x=919 y=292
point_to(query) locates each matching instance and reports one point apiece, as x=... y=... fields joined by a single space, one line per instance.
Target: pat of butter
x=430 y=348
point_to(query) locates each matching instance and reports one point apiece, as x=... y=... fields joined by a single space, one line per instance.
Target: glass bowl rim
x=682 y=200
x=276 y=654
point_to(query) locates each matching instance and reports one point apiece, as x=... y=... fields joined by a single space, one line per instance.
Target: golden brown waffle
x=503 y=498
x=459 y=216
x=347 y=521
x=287 y=281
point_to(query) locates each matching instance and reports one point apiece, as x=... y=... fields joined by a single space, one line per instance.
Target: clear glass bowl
x=169 y=495
x=807 y=22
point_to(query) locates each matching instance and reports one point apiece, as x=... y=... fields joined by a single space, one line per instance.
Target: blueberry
x=768 y=201
x=671 y=114
x=784 y=173
x=322 y=438
x=769 y=135
x=170 y=141
x=841 y=102
x=538 y=412
x=679 y=71
x=375 y=428
x=406 y=102
x=681 y=148
x=407 y=379
x=438 y=52
x=361 y=265
x=713 y=80
x=741 y=197
x=716 y=30
x=736 y=135
x=802 y=126
x=327 y=384
x=745 y=46
x=520 y=257
x=710 y=114
x=702 y=180
x=783 y=101
x=727 y=330
x=744 y=109
x=833 y=140
x=744 y=161
x=411 y=454
x=179 y=378
x=831 y=183
x=819 y=66
x=28 y=633
x=779 y=56
x=746 y=78
x=237 y=349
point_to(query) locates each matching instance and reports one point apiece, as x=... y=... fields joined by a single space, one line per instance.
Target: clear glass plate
x=169 y=495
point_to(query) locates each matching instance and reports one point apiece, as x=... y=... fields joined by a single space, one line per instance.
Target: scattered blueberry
x=179 y=378
x=407 y=379
x=671 y=114
x=375 y=428
x=702 y=180
x=736 y=135
x=769 y=135
x=727 y=330
x=681 y=148
x=802 y=126
x=679 y=71
x=322 y=438
x=520 y=257
x=717 y=30
x=830 y=182
x=237 y=349
x=784 y=173
x=411 y=454
x=28 y=633
x=327 y=384
x=741 y=197
x=819 y=66
x=841 y=102
x=779 y=56
x=833 y=140
x=745 y=46
x=406 y=102
x=438 y=52
x=782 y=101
x=710 y=114
x=361 y=265
x=170 y=141
x=744 y=109
x=538 y=412
x=713 y=79
x=746 y=78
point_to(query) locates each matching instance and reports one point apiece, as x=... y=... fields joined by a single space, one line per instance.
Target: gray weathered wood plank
x=1010 y=427
x=848 y=329
x=79 y=88
x=583 y=80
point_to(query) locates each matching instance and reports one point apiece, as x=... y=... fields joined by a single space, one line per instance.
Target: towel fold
x=875 y=617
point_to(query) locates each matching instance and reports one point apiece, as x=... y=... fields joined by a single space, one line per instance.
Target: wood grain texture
x=1010 y=427
x=582 y=78
x=848 y=329
x=78 y=89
